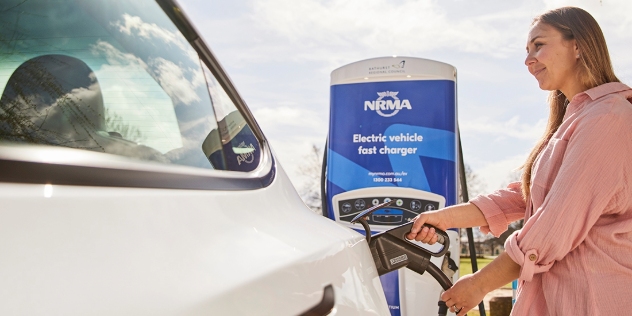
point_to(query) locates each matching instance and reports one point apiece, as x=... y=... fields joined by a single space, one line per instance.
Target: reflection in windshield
x=238 y=144
x=112 y=76
x=238 y=149
x=62 y=106
x=135 y=99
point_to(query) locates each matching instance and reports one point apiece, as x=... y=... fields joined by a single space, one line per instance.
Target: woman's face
x=552 y=60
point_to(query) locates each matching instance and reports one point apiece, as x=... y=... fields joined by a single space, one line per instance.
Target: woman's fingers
x=418 y=221
x=427 y=235
x=453 y=306
x=422 y=233
x=464 y=295
x=434 y=239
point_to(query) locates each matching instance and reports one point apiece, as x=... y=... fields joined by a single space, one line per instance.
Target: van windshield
x=110 y=76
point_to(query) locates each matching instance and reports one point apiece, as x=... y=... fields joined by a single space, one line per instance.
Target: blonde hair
x=594 y=69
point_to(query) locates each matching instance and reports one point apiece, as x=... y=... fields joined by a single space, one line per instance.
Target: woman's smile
x=536 y=72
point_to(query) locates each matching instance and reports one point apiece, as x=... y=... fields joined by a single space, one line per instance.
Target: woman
x=573 y=255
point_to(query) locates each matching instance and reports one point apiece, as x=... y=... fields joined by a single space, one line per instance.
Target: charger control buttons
x=359 y=204
x=415 y=205
x=346 y=207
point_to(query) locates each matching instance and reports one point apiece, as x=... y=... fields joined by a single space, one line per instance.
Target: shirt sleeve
x=501 y=208
x=590 y=182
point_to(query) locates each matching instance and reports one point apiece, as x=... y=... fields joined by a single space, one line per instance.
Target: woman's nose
x=530 y=59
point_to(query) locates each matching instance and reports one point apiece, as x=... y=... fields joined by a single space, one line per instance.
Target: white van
x=135 y=181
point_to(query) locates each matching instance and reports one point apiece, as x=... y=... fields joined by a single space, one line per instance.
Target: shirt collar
x=605 y=89
x=595 y=93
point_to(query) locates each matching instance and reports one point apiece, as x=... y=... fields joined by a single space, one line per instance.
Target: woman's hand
x=470 y=289
x=455 y=216
x=464 y=295
x=438 y=219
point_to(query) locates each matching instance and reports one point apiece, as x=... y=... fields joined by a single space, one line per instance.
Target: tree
x=514 y=176
x=475 y=187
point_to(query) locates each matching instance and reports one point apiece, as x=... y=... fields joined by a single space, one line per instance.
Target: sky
x=280 y=54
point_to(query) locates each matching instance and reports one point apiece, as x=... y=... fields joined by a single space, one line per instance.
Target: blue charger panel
x=392 y=134
x=397 y=133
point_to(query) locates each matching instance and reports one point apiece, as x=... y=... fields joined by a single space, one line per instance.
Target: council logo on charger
x=388 y=104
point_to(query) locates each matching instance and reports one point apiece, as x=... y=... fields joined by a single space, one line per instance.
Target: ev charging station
x=393 y=136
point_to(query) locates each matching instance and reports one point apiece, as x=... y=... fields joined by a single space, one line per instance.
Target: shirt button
x=533 y=257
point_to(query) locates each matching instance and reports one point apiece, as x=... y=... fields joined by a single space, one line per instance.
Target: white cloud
x=174 y=82
x=292 y=131
x=511 y=128
x=404 y=26
x=115 y=56
x=497 y=174
x=135 y=26
x=287 y=116
x=171 y=77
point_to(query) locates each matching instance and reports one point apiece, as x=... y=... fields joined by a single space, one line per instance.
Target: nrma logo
x=388 y=107
x=246 y=153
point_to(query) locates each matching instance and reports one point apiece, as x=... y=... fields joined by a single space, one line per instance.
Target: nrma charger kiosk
x=392 y=136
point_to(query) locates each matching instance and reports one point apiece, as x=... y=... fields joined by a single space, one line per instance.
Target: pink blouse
x=575 y=249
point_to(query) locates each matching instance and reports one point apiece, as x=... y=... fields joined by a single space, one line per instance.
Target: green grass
x=466 y=267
